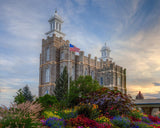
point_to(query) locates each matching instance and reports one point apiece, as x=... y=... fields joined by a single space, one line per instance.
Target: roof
x=147 y=101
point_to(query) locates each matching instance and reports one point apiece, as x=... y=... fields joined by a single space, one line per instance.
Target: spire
x=55 y=25
x=56 y=10
x=105 y=52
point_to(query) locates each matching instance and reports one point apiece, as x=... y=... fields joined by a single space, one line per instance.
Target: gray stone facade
x=55 y=55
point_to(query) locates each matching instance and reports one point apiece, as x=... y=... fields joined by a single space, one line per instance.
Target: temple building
x=55 y=55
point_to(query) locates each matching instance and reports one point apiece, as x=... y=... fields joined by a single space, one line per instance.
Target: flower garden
x=103 y=108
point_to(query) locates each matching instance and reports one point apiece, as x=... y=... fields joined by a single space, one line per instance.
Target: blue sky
x=130 y=27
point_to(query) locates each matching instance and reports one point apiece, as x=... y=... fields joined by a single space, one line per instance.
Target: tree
x=23 y=95
x=19 y=98
x=61 y=85
x=80 y=87
x=27 y=93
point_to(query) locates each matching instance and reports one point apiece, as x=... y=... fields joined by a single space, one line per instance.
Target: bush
x=122 y=122
x=136 y=115
x=49 y=114
x=69 y=113
x=55 y=123
x=21 y=115
x=107 y=99
x=47 y=100
x=103 y=119
x=81 y=120
x=80 y=87
x=89 y=110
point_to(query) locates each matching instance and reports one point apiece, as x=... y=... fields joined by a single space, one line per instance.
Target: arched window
x=59 y=27
x=61 y=69
x=86 y=72
x=119 y=80
x=73 y=57
x=47 y=54
x=62 y=55
x=101 y=81
x=56 y=26
x=73 y=73
x=47 y=75
x=92 y=74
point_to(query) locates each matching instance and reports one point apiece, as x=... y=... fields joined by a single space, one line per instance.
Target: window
x=101 y=81
x=72 y=73
x=59 y=27
x=92 y=74
x=62 y=55
x=47 y=75
x=72 y=56
x=86 y=73
x=47 y=54
x=47 y=92
x=56 y=26
x=119 y=80
x=61 y=69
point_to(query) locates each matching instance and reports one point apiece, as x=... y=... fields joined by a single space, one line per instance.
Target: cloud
x=156 y=84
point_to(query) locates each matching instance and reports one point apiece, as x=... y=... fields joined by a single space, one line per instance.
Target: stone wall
x=59 y=57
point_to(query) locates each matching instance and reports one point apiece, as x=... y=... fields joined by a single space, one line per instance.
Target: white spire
x=105 y=52
x=55 y=25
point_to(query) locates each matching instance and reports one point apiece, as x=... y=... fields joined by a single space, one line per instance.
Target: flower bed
x=90 y=113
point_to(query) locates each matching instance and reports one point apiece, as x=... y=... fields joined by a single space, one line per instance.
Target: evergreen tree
x=23 y=95
x=27 y=93
x=19 y=98
x=61 y=85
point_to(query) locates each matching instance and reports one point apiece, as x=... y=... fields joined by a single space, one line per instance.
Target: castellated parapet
x=55 y=56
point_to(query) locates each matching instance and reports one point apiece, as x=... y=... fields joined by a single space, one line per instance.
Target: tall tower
x=55 y=25
x=105 y=53
x=53 y=56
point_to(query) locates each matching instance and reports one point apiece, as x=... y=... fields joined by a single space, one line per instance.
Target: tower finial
x=56 y=10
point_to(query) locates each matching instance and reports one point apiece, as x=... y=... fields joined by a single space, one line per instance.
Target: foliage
x=47 y=100
x=55 y=123
x=81 y=120
x=89 y=110
x=27 y=93
x=80 y=87
x=48 y=114
x=122 y=122
x=61 y=85
x=23 y=95
x=107 y=99
x=19 y=98
x=141 y=125
x=136 y=115
x=69 y=113
x=146 y=120
x=21 y=115
x=103 y=119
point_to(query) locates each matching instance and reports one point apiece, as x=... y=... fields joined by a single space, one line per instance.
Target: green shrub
x=80 y=87
x=47 y=100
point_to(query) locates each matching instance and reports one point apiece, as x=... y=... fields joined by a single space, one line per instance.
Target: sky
x=130 y=27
